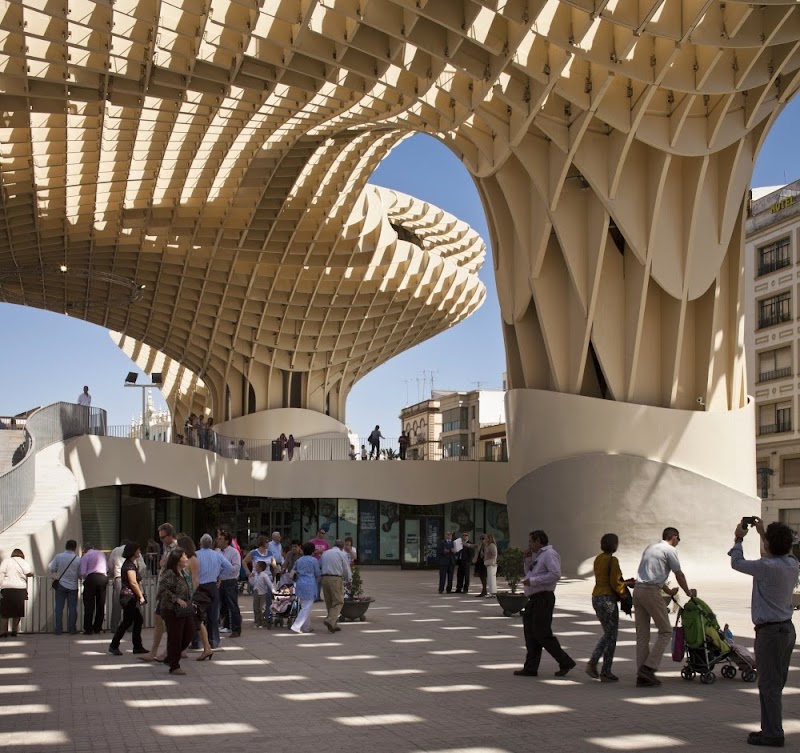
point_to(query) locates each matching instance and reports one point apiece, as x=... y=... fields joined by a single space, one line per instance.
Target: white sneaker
x=224 y=630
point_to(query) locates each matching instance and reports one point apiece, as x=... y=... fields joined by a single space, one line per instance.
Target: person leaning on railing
x=14 y=574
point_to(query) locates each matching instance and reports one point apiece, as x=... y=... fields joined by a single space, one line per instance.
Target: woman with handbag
x=608 y=590
x=201 y=599
x=14 y=574
x=176 y=608
x=130 y=597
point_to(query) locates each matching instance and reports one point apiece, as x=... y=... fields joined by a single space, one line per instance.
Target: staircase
x=10 y=439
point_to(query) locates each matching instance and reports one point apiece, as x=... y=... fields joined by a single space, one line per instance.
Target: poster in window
x=308 y=519
x=368 y=531
x=461 y=517
x=497 y=524
x=348 y=520
x=390 y=531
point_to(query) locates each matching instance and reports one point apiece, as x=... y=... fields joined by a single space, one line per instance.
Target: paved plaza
x=426 y=672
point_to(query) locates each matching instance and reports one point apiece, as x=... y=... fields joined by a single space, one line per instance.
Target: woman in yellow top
x=609 y=586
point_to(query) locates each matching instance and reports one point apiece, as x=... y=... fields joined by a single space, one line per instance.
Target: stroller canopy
x=699 y=623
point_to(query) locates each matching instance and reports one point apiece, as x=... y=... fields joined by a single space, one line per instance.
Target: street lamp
x=156 y=381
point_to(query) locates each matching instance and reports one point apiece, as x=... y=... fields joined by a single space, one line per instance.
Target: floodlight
x=156 y=378
x=131 y=378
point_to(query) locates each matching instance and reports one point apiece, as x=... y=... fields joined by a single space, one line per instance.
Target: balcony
x=765 y=267
x=775 y=428
x=767 y=376
x=772 y=319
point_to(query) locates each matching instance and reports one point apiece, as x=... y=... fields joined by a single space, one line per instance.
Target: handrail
x=322 y=448
x=44 y=427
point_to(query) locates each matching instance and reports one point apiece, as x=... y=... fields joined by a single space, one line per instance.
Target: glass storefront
x=383 y=532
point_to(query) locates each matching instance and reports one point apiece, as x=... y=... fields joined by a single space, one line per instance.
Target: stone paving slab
x=426 y=672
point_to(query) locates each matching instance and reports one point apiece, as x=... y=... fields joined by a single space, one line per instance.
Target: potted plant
x=510 y=566
x=355 y=603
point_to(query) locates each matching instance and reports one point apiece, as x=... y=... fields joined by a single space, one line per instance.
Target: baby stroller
x=284 y=606
x=706 y=647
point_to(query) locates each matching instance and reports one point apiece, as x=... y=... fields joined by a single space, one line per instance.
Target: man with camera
x=658 y=560
x=774 y=578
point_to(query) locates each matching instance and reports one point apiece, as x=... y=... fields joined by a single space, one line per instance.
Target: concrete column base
x=581 y=467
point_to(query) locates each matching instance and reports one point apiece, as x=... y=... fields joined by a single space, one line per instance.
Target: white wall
x=270 y=424
x=492 y=407
x=191 y=472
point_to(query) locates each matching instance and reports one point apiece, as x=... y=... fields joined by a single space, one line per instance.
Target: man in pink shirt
x=320 y=546
x=94 y=572
x=542 y=573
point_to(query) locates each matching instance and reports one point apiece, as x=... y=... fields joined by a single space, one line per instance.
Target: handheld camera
x=748 y=522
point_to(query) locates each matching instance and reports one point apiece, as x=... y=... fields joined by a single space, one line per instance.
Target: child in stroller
x=284 y=603
x=707 y=646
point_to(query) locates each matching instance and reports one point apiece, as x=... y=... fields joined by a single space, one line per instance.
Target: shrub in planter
x=511 y=567
x=355 y=603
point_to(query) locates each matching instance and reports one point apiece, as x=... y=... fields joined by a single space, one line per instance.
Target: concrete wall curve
x=576 y=500
x=269 y=424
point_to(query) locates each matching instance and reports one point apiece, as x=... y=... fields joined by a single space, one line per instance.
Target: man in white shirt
x=229 y=583
x=66 y=567
x=335 y=565
x=275 y=549
x=85 y=399
x=658 y=560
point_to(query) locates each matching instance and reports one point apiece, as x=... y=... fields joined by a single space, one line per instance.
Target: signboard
x=368 y=531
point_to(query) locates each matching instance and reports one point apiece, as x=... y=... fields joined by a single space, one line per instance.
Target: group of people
x=774 y=577
x=198 y=432
x=457 y=554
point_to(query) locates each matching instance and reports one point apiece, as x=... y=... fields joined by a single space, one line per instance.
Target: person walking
x=335 y=567
x=131 y=598
x=211 y=566
x=445 y=553
x=658 y=560
x=609 y=587
x=375 y=442
x=14 y=574
x=308 y=575
x=66 y=567
x=542 y=573
x=166 y=535
x=229 y=586
x=94 y=574
x=774 y=577
x=175 y=599
x=490 y=560
x=116 y=558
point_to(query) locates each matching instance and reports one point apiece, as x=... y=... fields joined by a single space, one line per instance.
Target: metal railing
x=775 y=428
x=766 y=376
x=772 y=319
x=46 y=426
x=765 y=267
x=41 y=605
x=318 y=448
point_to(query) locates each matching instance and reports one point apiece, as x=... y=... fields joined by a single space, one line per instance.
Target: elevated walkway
x=107 y=461
x=10 y=439
x=53 y=516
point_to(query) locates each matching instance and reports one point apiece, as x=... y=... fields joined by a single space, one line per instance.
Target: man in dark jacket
x=447 y=561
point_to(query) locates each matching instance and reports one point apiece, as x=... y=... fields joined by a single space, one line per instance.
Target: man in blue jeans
x=229 y=587
x=66 y=567
x=774 y=577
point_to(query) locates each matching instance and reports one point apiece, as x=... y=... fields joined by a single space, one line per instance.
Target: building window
x=456 y=447
x=455 y=419
x=775 y=309
x=774 y=256
x=775 y=419
x=775 y=364
x=790 y=471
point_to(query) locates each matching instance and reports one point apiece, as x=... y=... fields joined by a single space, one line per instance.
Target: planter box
x=511 y=603
x=353 y=610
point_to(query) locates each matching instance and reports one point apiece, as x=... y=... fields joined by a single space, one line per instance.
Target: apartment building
x=772 y=300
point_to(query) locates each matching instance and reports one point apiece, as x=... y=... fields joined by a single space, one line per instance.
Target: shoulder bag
x=56 y=583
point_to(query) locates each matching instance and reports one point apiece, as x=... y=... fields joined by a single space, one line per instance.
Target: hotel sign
x=782 y=204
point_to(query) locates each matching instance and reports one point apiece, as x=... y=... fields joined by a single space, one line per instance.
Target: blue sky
x=48 y=357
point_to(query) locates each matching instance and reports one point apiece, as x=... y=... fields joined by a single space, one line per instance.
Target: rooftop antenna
x=406 y=381
x=432 y=373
